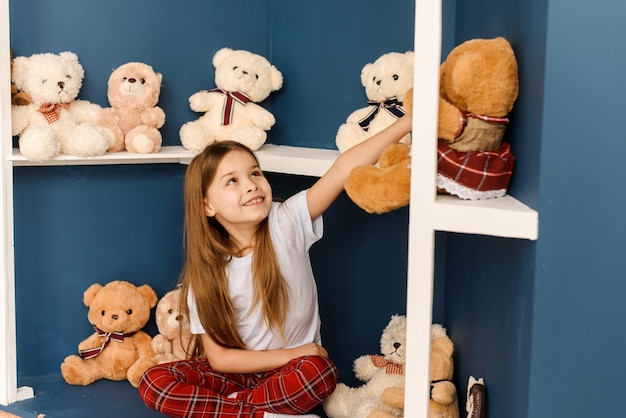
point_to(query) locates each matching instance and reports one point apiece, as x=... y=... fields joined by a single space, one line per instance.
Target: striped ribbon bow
x=229 y=103
x=390 y=368
x=390 y=105
x=52 y=111
x=115 y=336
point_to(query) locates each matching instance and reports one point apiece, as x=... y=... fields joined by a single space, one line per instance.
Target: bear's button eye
x=130 y=311
x=143 y=81
x=103 y=313
x=170 y=311
x=374 y=79
x=257 y=76
x=235 y=68
x=395 y=77
x=69 y=77
x=44 y=81
x=124 y=78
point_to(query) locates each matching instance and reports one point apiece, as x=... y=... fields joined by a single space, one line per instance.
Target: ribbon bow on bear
x=229 y=104
x=115 y=336
x=390 y=105
x=390 y=368
x=52 y=111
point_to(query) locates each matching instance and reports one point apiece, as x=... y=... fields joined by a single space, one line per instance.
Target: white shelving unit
x=504 y=217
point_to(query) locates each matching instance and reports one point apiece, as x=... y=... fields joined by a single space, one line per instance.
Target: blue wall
x=80 y=225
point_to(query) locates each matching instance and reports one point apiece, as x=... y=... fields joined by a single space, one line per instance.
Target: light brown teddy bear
x=174 y=341
x=118 y=349
x=18 y=98
x=478 y=88
x=134 y=117
x=443 y=395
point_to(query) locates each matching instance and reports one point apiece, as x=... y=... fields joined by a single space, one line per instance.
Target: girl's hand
x=310 y=349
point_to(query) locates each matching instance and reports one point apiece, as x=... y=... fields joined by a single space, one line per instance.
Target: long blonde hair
x=209 y=250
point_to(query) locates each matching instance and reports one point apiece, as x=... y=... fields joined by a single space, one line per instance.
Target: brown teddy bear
x=478 y=88
x=18 y=98
x=118 y=349
x=443 y=395
x=174 y=341
x=134 y=117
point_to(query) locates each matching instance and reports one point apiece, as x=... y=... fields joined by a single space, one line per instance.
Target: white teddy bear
x=55 y=122
x=386 y=81
x=243 y=79
x=379 y=372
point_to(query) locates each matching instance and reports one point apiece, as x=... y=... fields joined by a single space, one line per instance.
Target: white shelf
x=273 y=158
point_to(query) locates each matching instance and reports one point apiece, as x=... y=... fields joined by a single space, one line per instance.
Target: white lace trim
x=466 y=193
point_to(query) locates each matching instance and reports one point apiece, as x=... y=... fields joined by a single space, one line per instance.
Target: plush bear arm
x=359 y=114
x=84 y=111
x=154 y=116
x=143 y=343
x=393 y=397
x=20 y=118
x=160 y=344
x=260 y=117
x=364 y=368
x=443 y=392
x=449 y=120
x=92 y=341
x=203 y=101
x=108 y=117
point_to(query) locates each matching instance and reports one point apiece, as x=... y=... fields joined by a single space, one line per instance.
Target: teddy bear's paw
x=39 y=144
x=443 y=392
x=114 y=136
x=378 y=190
x=75 y=372
x=194 y=136
x=348 y=135
x=251 y=136
x=339 y=403
x=85 y=140
x=393 y=154
x=143 y=140
x=135 y=371
x=201 y=101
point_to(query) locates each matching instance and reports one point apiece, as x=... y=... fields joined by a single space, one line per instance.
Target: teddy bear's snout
x=397 y=345
x=61 y=84
x=116 y=317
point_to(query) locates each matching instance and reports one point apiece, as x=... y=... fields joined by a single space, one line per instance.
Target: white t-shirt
x=292 y=233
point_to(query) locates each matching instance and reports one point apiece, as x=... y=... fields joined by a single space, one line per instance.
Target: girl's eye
x=232 y=181
x=256 y=174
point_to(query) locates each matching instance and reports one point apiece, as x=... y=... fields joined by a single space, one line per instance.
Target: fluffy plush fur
x=443 y=395
x=56 y=121
x=173 y=342
x=478 y=88
x=243 y=79
x=386 y=82
x=379 y=372
x=118 y=349
x=134 y=117
x=18 y=98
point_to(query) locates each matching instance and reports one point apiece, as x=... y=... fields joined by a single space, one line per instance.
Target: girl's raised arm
x=324 y=192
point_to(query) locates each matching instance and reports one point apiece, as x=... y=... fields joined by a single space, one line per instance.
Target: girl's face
x=239 y=194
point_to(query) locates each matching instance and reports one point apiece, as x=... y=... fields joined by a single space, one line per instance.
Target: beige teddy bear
x=379 y=372
x=243 y=79
x=56 y=121
x=118 y=349
x=443 y=395
x=174 y=341
x=386 y=81
x=134 y=117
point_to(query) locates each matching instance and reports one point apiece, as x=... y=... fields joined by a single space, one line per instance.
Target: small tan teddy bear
x=174 y=339
x=118 y=349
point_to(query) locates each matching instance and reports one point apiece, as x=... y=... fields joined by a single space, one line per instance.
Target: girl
x=249 y=289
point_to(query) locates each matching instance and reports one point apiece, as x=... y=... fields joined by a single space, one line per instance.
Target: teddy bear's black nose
x=132 y=80
x=61 y=84
x=179 y=318
x=114 y=316
x=396 y=345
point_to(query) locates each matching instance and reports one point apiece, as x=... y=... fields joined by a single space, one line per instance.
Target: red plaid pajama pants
x=190 y=389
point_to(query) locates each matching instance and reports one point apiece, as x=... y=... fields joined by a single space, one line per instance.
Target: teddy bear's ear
x=69 y=56
x=91 y=293
x=19 y=71
x=221 y=56
x=364 y=73
x=276 y=78
x=149 y=294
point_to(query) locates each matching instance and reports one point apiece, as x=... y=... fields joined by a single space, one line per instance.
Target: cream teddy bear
x=134 y=117
x=386 y=81
x=174 y=339
x=379 y=372
x=119 y=349
x=55 y=122
x=243 y=79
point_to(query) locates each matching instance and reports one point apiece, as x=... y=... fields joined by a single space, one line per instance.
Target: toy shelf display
x=503 y=217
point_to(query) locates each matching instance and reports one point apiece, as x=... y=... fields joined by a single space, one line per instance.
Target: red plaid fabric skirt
x=474 y=174
x=191 y=389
